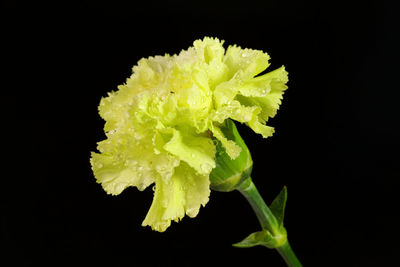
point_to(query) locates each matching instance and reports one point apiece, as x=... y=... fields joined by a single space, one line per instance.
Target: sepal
x=230 y=173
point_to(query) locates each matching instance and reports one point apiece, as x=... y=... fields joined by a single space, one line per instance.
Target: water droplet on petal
x=205 y=167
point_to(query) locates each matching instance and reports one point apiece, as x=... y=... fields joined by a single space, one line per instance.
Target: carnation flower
x=164 y=124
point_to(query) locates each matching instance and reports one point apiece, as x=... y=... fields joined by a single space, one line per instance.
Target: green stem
x=268 y=221
x=264 y=214
x=288 y=255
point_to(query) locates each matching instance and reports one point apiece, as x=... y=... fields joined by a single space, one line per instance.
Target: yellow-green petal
x=197 y=151
x=246 y=63
x=270 y=103
x=125 y=163
x=260 y=128
x=182 y=193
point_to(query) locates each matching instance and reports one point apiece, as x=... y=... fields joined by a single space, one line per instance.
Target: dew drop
x=193 y=155
x=205 y=167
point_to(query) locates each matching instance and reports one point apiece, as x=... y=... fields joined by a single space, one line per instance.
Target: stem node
x=273 y=234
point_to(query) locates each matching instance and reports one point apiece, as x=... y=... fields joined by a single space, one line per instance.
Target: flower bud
x=230 y=173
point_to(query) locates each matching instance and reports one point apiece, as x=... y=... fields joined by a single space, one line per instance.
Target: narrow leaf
x=262 y=238
x=278 y=206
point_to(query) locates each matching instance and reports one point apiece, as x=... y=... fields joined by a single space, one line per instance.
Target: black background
x=335 y=147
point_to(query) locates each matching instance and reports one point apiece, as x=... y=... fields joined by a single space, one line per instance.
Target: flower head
x=161 y=123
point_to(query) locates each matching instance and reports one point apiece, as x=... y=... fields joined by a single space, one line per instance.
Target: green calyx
x=230 y=173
